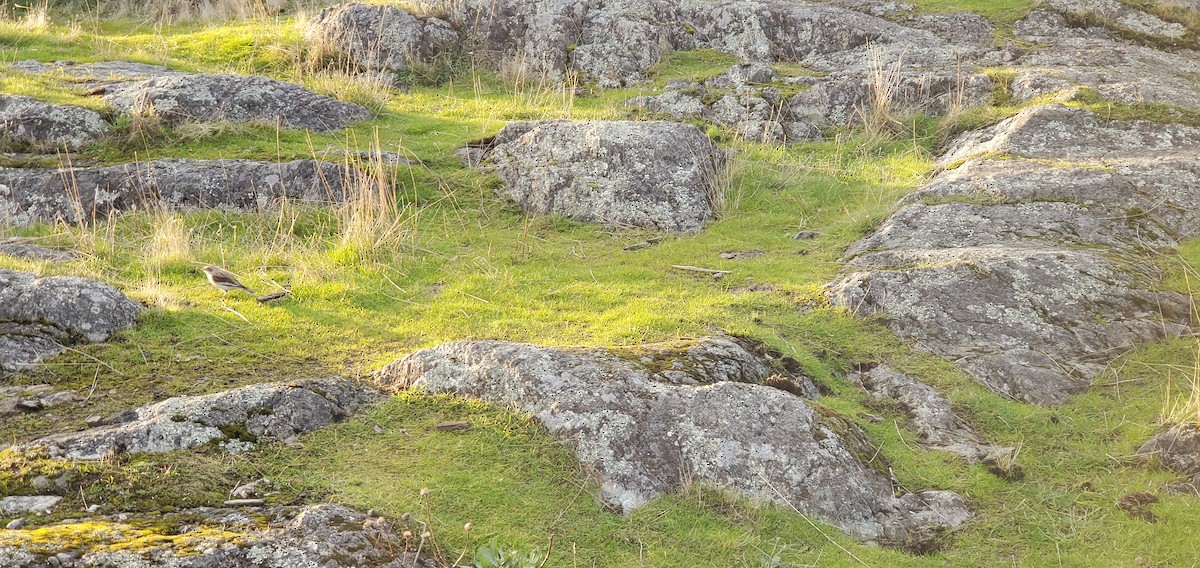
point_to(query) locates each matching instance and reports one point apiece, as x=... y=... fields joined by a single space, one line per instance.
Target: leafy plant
x=493 y=555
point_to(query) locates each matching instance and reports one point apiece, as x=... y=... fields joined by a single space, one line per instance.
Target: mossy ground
x=451 y=261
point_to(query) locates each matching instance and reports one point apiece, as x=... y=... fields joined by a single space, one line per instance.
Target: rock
x=851 y=97
x=1059 y=258
x=39 y=316
x=232 y=98
x=380 y=37
x=59 y=398
x=15 y=524
x=656 y=175
x=73 y=195
x=25 y=248
x=251 y=490
x=1120 y=14
x=94 y=420
x=41 y=483
x=98 y=73
x=244 y=503
x=270 y=411
x=35 y=504
x=1177 y=448
x=646 y=419
x=48 y=126
x=325 y=536
x=936 y=423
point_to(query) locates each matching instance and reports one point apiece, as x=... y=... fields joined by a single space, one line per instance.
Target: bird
x=223 y=280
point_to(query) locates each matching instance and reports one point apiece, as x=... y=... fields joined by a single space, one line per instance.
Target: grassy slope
x=469 y=266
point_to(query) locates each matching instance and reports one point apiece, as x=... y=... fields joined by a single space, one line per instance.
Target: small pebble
x=94 y=420
x=15 y=524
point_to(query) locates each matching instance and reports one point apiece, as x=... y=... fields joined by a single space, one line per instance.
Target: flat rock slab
x=31 y=504
x=643 y=433
x=1058 y=258
x=655 y=175
x=40 y=316
x=29 y=250
x=235 y=419
x=326 y=535
x=73 y=195
x=47 y=126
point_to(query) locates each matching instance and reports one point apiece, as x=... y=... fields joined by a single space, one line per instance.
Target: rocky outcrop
x=1176 y=449
x=29 y=250
x=1057 y=257
x=657 y=175
x=1119 y=14
x=381 y=37
x=73 y=195
x=39 y=317
x=232 y=98
x=937 y=425
x=46 y=126
x=235 y=420
x=326 y=535
x=175 y=96
x=644 y=420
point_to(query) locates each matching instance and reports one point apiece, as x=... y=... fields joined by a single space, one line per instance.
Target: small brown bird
x=223 y=280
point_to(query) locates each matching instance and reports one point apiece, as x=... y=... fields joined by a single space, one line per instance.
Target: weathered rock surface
x=73 y=195
x=643 y=431
x=235 y=419
x=32 y=398
x=25 y=504
x=1177 y=448
x=26 y=120
x=28 y=249
x=176 y=96
x=232 y=98
x=381 y=37
x=39 y=316
x=933 y=418
x=1120 y=14
x=1057 y=258
x=656 y=175
x=326 y=535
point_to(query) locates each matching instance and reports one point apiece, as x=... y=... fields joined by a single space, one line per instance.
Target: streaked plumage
x=224 y=280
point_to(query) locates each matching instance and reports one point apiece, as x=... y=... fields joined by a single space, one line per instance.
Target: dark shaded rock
x=74 y=195
x=236 y=419
x=381 y=37
x=325 y=536
x=232 y=98
x=48 y=126
x=644 y=422
x=39 y=316
x=937 y=425
x=1177 y=448
x=656 y=175
x=25 y=248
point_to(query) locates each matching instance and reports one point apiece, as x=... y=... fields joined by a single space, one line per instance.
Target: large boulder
x=380 y=37
x=647 y=420
x=235 y=419
x=73 y=195
x=1058 y=257
x=657 y=175
x=325 y=535
x=39 y=317
x=204 y=97
x=26 y=120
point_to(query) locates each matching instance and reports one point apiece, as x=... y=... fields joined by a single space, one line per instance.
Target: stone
x=15 y=524
x=1176 y=448
x=325 y=536
x=645 y=419
x=74 y=195
x=381 y=37
x=656 y=175
x=202 y=97
x=59 y=398
x=251 y=490
x=28 y=504
x=46 y=126
x=247 y=415
x=40 y=316
x=27 y=249
x=1120 y=14
x=936 y=423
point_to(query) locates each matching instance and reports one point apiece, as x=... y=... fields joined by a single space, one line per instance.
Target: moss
x=1091 y=100
x=856 y=440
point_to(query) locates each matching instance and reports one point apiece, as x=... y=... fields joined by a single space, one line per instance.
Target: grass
x=443 y=259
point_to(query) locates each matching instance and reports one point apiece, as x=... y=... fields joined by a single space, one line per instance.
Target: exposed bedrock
x=645 y=419
x=29 y=195
x=1032 y=275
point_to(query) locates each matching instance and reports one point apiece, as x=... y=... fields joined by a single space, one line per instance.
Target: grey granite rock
x=381 y=37
x=48 y=126
x=1177 y=448
x=237 y=418
x=28 y=504
x=642 y=431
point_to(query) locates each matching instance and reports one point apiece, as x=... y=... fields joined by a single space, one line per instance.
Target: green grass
x=465 y=265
